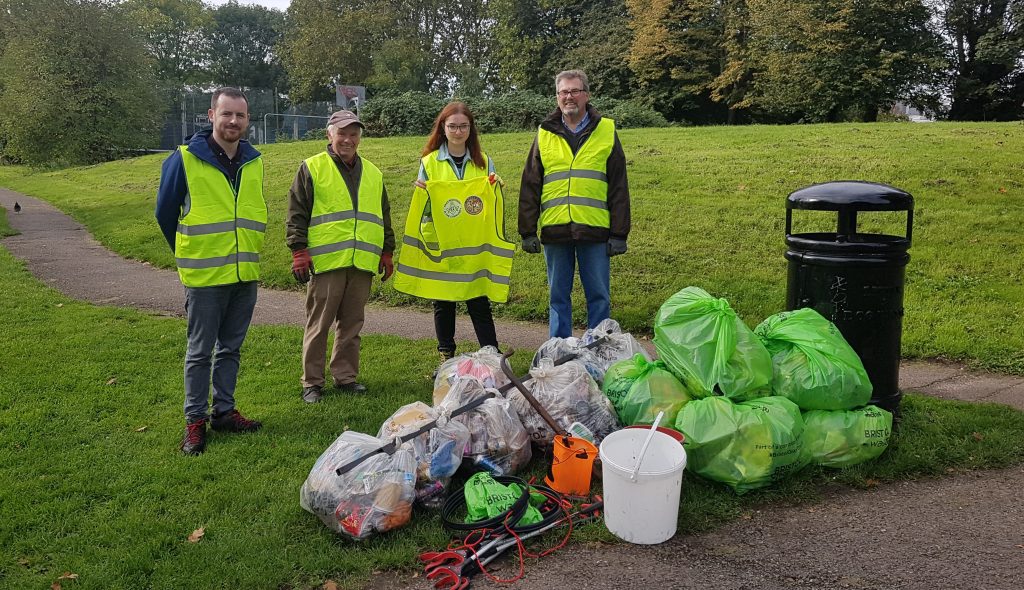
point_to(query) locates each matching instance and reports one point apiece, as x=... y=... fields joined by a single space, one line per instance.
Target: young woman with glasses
x=453 y=152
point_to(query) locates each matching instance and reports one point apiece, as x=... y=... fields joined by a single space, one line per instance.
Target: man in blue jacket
x=211 y=210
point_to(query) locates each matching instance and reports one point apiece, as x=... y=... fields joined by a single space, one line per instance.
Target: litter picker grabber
x=572 y=458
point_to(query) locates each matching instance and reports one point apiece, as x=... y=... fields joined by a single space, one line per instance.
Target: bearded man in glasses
x=574 y=189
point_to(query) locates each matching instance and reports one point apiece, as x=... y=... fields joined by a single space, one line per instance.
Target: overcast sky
x=278 y=4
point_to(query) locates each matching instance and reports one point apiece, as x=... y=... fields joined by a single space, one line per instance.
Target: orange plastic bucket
x=572 y=464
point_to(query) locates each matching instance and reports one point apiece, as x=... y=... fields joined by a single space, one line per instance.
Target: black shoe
x=356 y=388
x=312 y=395
x=234 y=421
x=194 y=442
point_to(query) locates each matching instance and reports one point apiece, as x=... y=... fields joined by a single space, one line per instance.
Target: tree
x=832 y=60
x=175 y=34
x=986 y=57
x=675 y=55
x=76 y=84
x=732 y=85
x=243 y=44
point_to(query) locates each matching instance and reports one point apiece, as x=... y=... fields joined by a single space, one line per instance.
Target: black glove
x=616 y=247
x=531 y=245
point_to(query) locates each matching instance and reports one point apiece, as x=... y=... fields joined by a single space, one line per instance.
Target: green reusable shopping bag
x=639 y=389
x=486 y=498
x=841 y=438
x=812 y=363
x=745 y=445
x=706 y=345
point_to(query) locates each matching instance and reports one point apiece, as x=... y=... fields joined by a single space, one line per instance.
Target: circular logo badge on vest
x=474 y=205
x=452 y=208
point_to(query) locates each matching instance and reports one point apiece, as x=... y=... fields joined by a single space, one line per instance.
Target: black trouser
x=483 y=323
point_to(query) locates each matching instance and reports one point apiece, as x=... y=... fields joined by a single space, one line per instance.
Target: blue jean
x=594 y=274
x=218 y=319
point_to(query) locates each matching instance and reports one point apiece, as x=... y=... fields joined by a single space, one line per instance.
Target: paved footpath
x=965 y=531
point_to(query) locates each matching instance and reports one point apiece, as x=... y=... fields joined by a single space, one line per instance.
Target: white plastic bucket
x=644 y=511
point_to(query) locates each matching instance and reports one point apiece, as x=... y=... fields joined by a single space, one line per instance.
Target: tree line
x=71 y=66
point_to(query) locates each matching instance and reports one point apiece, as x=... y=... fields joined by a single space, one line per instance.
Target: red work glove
x=386 y=266
x=302 y=265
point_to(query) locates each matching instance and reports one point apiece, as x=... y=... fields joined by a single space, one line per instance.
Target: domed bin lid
x=850 y=195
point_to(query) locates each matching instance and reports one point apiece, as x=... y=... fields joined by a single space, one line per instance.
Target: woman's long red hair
x=437 y=136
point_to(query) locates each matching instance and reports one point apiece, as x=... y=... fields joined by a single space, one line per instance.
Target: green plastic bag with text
x=813 y=365
x=639 y=389
x=706 y=345
x=745 y=445
x=486 y=498
x=842 y=438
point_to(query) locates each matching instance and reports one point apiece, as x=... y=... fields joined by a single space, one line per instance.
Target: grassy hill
x=708 y=210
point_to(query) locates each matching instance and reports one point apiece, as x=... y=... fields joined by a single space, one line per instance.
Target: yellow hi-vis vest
x=339 y=234
x=220 y=234
x=473 y=258
x=442 y=170
x=575 y=188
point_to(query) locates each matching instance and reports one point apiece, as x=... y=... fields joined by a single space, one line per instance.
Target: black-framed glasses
x=460 y=128
x=574 y=92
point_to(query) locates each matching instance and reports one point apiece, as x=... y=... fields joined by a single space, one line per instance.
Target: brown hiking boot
x=445 y=357
x=194 y=442
x=234 y=421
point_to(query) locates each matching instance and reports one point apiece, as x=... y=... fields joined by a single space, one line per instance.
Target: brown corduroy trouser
x=337 y=298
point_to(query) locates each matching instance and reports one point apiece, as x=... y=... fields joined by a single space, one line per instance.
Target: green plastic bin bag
x=706 y=344
x=745 y=445
x=812 y=363
x=486 y=498
x=639 y=389
x=842 y=438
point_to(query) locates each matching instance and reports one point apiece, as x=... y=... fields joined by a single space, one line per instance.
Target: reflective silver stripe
x=362 y=216
x=198 y=263
x=467 y=251
x=565 y=174
x=345 y=215
x=251 y=224
x=345 y=245
x=203 y=229
x=580 y=201
x=220 y=227
x=450 y=277
x=329 y=217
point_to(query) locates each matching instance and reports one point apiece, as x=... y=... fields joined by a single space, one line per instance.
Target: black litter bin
x=854 y=279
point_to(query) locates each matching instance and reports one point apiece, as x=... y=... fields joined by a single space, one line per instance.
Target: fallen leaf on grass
x=60 y=305
x=1002 y=189
x=330 y=585
x=112 y=381
x=55 y=586
x=978 y=436
x=196 y=535
x=68 y=576
x=141 y=429
x=871 y=482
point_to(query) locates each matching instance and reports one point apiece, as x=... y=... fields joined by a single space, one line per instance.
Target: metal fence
x=272 y=117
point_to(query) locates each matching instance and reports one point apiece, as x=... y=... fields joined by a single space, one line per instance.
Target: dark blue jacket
x=170 y=197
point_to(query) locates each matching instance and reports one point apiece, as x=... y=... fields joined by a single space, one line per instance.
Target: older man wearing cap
x=338 y=228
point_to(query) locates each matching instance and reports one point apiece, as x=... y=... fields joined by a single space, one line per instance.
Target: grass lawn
x=91 y=481
x=708 y=210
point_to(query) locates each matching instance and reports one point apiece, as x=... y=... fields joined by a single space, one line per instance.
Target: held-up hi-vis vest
x=472 y=258
x=343 y=233
x=575 y=187
x=220 y=235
